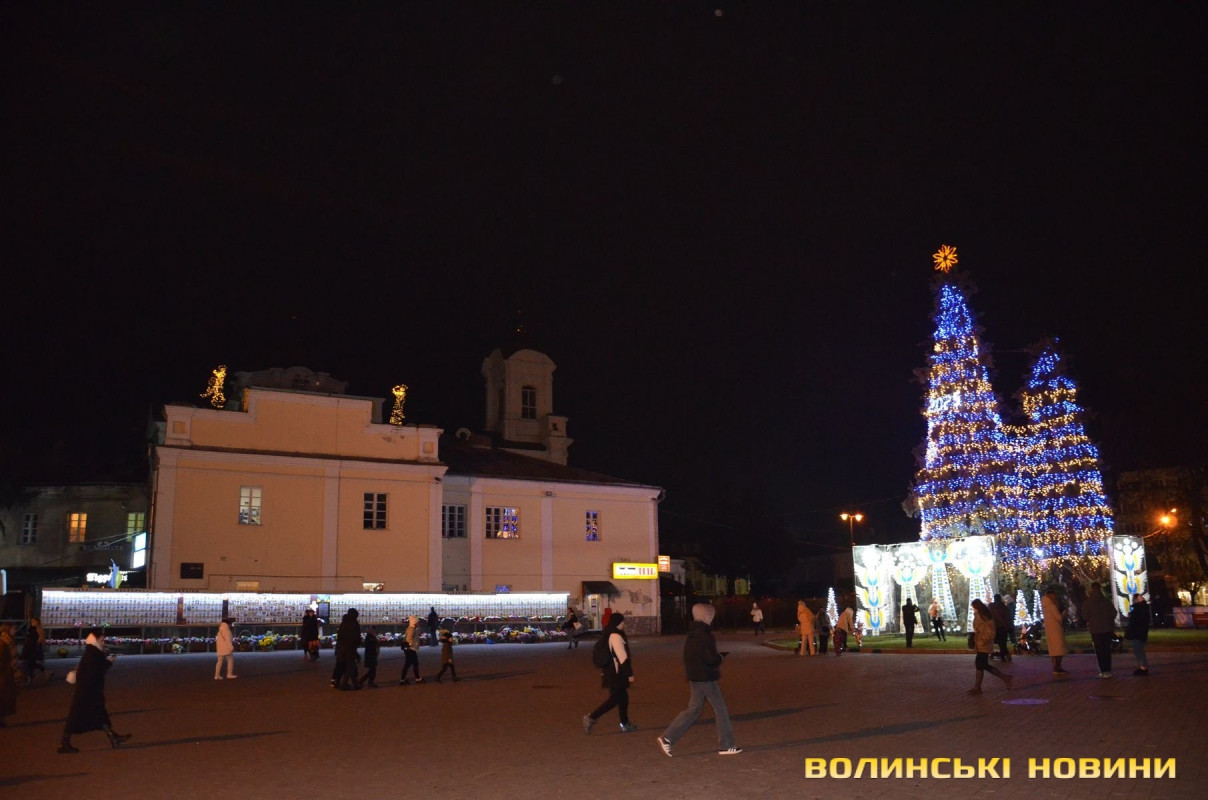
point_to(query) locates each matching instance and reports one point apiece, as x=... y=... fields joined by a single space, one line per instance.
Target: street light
x=851 y=520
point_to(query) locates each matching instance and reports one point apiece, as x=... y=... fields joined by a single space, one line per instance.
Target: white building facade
x=298 y=490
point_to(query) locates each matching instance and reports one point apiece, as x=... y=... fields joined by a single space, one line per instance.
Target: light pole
x=851 y=520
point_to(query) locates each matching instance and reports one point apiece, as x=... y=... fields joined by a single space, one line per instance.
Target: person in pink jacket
x=224 y=645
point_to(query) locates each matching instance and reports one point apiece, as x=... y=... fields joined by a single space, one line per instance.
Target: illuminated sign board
x=628 y=571
x=664 y=563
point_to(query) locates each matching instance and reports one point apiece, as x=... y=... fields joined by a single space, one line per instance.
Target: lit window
x=249 y=505
x=593 y=526
x=77 y=527
x=375 y=511
x=503 y=523
x=136 y=522
x=29 y=529
x=453 y=522
x=528 y=402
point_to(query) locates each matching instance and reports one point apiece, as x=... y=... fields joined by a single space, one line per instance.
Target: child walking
x=446 y=655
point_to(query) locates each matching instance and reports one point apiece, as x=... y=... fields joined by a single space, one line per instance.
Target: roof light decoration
x=215 y=386
x=1066 y=518
x=968 y=483
x=945 y=258
x=400 y=396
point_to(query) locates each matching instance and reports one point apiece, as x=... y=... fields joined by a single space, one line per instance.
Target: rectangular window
x=453 y=522
x=593 y=526
x=528 y=402
x=249 y=505
x=29 y=529
x=375 y=511
x=503 y=522
x=192 y=570
x=136 y=522
x=77 y=527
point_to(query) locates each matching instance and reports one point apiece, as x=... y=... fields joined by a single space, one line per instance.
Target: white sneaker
x=666 y=745
x=232 y=677
x=733 y=751
x=217 y=677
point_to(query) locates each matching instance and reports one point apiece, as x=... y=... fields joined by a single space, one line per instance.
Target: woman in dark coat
x=88 y=712
x=310 y=635
x=32 y=653
x=8 y=673
x=1138 y=633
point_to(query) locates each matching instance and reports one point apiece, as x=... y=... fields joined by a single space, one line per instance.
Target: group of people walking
x=702 y=667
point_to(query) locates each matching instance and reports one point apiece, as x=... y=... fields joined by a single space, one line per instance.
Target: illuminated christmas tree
x=968 y=483
x=1067 y=520
x=832 y=607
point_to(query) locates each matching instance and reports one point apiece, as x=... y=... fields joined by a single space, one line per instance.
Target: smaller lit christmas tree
x=832 y=607
x=1021 y=610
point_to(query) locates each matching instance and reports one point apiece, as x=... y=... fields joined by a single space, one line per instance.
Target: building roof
x=464 y=458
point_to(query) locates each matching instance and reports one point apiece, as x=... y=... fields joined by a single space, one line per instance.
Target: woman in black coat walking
x=88 y=712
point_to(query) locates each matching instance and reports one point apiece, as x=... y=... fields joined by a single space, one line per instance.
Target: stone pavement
x=511 y=727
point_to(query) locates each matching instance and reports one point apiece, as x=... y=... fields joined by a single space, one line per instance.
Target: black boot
x=115 y=738
x=65 y=746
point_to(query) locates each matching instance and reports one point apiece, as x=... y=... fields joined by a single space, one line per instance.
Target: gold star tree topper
x=945 y=259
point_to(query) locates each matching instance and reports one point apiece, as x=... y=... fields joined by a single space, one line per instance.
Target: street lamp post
x=851 y=520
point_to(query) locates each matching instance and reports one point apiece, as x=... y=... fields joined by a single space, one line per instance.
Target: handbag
x=971 y=644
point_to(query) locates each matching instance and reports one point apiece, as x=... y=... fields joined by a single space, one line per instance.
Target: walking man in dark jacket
x=702 y=664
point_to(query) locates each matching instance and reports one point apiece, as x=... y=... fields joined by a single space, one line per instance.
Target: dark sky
x=717 y=219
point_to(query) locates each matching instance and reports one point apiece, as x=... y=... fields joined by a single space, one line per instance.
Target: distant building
x=71 y=535
x=305 y=489
x=1167 y=506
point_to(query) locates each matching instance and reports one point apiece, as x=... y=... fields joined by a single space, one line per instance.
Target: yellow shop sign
x=627 y=570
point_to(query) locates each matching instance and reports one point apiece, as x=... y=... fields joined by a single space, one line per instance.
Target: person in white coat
x=224 y=645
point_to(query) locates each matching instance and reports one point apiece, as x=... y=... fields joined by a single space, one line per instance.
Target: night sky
x=717 y=219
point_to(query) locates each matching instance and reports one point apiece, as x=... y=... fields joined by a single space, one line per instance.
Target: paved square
x=511 y=727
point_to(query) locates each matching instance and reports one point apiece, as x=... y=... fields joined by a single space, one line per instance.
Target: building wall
x=313 y=458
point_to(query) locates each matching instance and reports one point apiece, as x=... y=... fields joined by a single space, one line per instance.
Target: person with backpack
x=702 y=665
x=611 y=657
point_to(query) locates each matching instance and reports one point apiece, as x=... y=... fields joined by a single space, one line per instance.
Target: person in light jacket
x=844 y=627
x=757 y=618
x=983 y=643
x=224 y=646
x=411 y=651
x=1054 y=629
x=615 y=678
x=805 y=624
x=702 y=665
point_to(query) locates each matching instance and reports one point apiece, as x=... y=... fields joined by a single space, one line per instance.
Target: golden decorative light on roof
x=945 y=258
x=214 y=387
x=400 y=396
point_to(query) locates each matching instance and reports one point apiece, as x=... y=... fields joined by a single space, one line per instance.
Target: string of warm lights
x=400 y=396
x=214 y=388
